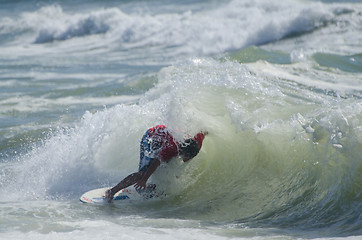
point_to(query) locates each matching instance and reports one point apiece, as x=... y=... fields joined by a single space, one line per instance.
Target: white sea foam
x=202 y=94
x=230 y=26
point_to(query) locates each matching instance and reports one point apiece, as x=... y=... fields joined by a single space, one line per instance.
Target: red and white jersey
x=167 y=147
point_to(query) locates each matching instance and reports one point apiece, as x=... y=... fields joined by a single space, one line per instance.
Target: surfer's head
x=189 y=149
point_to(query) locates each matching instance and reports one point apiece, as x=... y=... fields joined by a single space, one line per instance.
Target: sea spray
x=282 y=158
x=273 y=149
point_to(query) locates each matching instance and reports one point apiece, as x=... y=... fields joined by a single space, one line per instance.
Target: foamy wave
x=230 y=26
x=56 y=25
x=276 y=152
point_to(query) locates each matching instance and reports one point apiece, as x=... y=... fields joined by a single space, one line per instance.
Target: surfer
x=158 y=145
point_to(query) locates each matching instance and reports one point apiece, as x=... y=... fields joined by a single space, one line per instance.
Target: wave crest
x=59 y=26
x=228 y=27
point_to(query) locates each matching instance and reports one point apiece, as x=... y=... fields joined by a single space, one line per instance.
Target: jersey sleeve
x=199 y=138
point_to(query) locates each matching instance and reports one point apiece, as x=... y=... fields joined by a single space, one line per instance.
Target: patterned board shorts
x=149 y=150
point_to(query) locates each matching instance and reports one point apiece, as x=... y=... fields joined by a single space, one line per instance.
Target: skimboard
x=96 y=196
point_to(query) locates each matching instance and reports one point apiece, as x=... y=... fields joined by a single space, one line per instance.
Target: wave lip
x=231 y=26
x=69 y=27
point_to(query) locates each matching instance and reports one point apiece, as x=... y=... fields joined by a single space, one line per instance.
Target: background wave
x=223 y=27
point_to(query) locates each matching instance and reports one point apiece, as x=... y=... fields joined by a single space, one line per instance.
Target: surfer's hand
x=140 y=185
x=108 y=195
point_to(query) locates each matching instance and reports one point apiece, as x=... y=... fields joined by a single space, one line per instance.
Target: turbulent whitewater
x=277 y=85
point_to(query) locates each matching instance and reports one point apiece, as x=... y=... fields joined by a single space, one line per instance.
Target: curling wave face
x=278 y=153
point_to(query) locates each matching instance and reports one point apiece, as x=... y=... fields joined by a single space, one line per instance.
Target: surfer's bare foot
x=151 y=187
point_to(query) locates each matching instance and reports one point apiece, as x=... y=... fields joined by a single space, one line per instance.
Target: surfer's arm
x=141 y=184
x=199 y=138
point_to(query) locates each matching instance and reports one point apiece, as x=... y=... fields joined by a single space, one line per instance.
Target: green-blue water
x=278 y=85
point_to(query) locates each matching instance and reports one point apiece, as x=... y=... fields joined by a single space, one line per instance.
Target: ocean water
x=278 y=85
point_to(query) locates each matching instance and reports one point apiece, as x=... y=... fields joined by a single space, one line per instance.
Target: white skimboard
x=96 y=196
